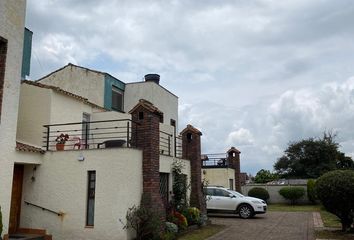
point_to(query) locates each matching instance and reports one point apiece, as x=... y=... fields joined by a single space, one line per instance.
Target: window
x=231 y=183
x=117 y=99
x=3 y=51
x=220 y=193
x=91 y=188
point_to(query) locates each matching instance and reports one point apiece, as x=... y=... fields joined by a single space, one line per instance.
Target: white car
x=221 y=199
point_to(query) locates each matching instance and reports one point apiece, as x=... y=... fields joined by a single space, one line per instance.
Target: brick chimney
x=146 y=123
x=233 y=158
x=191 y=150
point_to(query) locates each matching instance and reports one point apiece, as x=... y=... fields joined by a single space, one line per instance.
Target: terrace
x=214 y=160
x=120 y=133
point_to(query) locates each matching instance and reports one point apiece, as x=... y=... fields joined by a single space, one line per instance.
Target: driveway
x=272 y=225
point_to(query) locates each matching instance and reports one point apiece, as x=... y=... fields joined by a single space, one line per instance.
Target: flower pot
x=60 y=146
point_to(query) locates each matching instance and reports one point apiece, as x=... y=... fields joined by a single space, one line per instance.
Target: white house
x=85 y=190
x=12 y=20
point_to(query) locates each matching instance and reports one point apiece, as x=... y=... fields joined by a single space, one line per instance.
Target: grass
x=202 y=233
x=293 y=208
x=326 y=234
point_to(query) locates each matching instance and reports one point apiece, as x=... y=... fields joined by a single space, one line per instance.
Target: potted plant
x=61 y=140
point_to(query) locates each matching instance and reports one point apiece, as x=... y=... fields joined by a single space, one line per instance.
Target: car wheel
x=245 y=211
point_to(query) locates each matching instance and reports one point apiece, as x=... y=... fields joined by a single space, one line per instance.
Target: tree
x=264 y=176
x=335 y=190
x=292 y=193
x=311 y=158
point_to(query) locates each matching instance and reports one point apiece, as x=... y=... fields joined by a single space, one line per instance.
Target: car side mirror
x=232 y=196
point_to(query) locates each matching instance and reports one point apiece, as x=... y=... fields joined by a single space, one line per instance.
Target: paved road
x=269 y=226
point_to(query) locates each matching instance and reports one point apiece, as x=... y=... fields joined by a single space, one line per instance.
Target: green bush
x=144 y=220
x=292 y=193
x=335 y=190
x=311 y=193
x=258 y=192
x=192 y=215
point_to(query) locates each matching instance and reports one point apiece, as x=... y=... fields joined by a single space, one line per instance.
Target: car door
x=223 y=201
x=210 y=201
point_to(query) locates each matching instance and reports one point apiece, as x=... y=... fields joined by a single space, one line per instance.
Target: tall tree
x=310 y=158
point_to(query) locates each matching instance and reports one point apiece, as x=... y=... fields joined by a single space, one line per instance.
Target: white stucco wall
x=154 y=93
x=85 y=83
x=41 y=106
x=61 y=185
x=12 y=19
x=219 y=176
x=34 y=112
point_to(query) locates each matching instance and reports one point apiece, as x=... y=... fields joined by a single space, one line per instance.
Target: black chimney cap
x=152 y=77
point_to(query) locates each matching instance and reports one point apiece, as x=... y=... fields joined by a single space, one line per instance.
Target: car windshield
x=237 y=194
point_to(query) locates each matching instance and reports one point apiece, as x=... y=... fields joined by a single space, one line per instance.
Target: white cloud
x=240 y=137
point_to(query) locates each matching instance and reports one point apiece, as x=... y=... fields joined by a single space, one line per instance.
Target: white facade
x=57 y=180
x=80 y=81
x=61 y=185
x=12 y=19
x=219 y=176
x=161 y=98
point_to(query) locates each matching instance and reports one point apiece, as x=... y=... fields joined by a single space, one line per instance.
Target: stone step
x=26 y=237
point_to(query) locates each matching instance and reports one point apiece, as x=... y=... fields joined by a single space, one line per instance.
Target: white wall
x=34 y=112
x=61 y=185
x=273 y=191
x=82 y=82
x=12 y=18
x=219 y=176
x=154 y=93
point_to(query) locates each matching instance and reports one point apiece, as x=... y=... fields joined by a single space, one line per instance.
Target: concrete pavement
x=269 y=226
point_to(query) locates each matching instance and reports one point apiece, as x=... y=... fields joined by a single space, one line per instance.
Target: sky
x=254 y=74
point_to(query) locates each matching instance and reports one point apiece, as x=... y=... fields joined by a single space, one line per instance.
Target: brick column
x=191 y=150
x=233 y=158
x=146 y=123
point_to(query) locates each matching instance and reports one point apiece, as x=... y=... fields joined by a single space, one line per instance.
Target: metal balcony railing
x=90 y=135
x=215 y=160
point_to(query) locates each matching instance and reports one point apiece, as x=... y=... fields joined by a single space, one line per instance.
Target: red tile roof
x=148 y=105
x=191 y=129
x=28 y=148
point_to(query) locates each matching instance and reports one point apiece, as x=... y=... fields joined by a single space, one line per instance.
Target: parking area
x=269 y=226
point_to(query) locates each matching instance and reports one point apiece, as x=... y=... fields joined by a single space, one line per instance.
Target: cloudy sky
x=254 y=74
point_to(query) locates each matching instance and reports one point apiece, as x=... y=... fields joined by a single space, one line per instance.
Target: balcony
x=215 y=160
x=91 y=135
x=169 y=145
x=104 y=134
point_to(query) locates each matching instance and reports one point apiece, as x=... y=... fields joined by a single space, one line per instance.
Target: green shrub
x=311 y=193
x=192 y=215
x=292 y=193
x=335 y=190
x=258 y=192
x=144 y=220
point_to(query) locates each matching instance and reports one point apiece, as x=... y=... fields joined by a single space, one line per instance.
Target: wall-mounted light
x=33 y=178
x=81 y=157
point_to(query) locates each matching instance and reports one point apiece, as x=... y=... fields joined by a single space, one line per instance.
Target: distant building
x=223 y=169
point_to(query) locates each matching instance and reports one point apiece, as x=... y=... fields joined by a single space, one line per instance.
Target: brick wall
x=191 y=150
x=3 y=51
x=147 y=139
x=233 y=157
